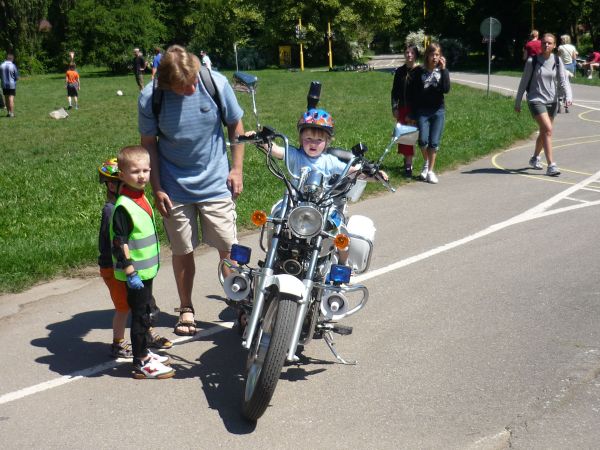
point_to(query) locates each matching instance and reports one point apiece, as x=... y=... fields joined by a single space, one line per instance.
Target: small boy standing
x=135 y=254
x=109 y=175
x=72 y=84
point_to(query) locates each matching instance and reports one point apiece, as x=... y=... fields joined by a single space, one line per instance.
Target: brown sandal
x=190 y=324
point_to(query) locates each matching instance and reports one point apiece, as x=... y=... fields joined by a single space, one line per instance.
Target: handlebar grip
x=370 y=169
x=243 y=138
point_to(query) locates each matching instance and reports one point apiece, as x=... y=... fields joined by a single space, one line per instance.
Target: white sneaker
x=432 y=177
x=152 y=369
x=552 y=170
x=535 y=163
x=160 y=358
x=423 y=175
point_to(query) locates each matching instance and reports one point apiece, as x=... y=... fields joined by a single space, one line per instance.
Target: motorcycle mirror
x=397 y=133
x=405 y=134
x=244 y=82
x=314 y=95
x=359 y=149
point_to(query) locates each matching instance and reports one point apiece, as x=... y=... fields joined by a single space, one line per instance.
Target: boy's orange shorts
x=117 y=289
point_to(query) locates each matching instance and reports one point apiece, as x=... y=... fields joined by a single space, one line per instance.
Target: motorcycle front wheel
x=267 y=355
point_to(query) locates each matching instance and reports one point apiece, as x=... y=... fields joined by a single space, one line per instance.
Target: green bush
x=454 y=51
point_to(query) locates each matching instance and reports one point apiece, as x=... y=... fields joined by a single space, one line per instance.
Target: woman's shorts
x=540 y=108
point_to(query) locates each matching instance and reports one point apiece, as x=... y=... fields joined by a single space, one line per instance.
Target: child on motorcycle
x=316 y=127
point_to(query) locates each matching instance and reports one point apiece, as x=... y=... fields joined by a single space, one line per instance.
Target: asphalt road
x=482 y=330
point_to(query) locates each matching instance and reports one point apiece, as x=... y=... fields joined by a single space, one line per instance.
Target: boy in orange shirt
x=72 y=84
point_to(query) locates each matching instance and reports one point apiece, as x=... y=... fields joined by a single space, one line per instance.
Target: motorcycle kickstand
x=328 y=338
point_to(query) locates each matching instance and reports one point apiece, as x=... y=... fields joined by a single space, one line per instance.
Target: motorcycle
x=302 y=287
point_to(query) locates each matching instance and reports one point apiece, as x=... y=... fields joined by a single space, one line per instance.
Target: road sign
x=490 y=27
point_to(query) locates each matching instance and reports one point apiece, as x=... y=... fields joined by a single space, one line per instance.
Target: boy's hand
x=134 y=281
x=383 y=175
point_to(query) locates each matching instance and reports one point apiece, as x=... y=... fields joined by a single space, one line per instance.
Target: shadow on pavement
x=496 y=171
x=70 y=352
x=221 y=372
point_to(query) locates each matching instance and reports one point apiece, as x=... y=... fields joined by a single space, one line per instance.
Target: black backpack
x=534 y=62
x=208 y=83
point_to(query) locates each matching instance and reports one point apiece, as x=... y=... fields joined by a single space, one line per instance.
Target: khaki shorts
x=217 y=222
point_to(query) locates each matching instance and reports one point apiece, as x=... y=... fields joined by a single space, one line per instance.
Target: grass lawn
x=51 y=199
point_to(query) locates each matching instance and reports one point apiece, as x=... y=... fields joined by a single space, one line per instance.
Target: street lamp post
x=329 y=37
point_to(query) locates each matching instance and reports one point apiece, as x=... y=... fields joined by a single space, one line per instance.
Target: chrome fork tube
x=304 y=303
x=263 y=278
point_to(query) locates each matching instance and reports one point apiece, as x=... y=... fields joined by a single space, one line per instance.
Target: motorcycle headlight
x=305 y=221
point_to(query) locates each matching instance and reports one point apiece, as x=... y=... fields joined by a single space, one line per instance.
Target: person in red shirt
x=533 y=46
x=72 y=84
x=592 y=62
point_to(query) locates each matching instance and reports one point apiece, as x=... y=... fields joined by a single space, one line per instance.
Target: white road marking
x=538 y=211
x=21 y=393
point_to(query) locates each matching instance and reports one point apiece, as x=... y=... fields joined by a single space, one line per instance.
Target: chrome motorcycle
x=300 y=290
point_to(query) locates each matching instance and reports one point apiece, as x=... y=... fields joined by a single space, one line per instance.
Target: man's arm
x=162 y=200
x=235 y=180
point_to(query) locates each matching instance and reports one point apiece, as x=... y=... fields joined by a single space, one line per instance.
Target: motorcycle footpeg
x=342 y=330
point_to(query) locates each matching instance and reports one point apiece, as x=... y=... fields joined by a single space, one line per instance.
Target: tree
x=104 y=32
x=19 y=33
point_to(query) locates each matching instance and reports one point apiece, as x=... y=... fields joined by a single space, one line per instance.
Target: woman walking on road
x=544 y=76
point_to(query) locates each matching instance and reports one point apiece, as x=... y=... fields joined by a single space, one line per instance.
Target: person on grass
x=72 y=84
x=139 y=66
x=135 y=254
x=156 y=61
x=400 y=107
x=9 y=74
x=543 y=86
x=108 y=174
x=426 y=99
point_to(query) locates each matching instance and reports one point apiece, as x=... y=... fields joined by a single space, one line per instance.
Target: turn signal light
x=341 y=241
x=259 y=218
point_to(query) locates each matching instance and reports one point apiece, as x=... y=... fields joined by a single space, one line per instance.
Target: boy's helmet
x=109 y=171
x=316 y=118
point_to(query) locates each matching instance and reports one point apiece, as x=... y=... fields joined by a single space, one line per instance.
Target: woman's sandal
x=189 y=324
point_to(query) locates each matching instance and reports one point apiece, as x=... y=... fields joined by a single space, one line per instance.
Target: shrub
x=454 y=51
x=417 y=38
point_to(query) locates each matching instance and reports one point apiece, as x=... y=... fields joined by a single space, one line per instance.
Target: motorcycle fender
x=287 y=284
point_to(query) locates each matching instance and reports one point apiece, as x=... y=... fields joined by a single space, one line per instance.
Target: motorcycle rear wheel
x=267 y=355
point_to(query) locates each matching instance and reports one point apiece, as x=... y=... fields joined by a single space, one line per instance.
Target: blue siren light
x=240 y=253
x=340 y=274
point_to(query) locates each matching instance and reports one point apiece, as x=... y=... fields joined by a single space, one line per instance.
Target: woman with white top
x=568 y=53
